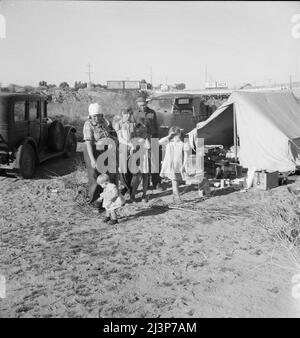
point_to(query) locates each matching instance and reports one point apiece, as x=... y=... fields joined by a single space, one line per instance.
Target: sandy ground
x=61 y=260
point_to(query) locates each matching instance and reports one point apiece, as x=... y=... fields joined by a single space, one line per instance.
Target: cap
x=94 y=109
x=140 y=100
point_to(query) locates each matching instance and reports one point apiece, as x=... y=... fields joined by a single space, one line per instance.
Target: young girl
x=174 y=162
x=125 y=128
x=112 y=199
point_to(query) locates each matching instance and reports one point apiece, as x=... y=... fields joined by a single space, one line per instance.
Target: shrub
x=280 y=217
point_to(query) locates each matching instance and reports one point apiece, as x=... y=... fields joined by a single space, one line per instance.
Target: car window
x=19 y=111
x=43 y=109
x=33 y=111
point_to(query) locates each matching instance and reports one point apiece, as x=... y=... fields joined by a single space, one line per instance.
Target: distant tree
x=64 y=85
x=179 y=86
x=11 y=87
x=43 y=84
x=51 y=85
x=99 y=85
x=28 y=89
x=79 y=85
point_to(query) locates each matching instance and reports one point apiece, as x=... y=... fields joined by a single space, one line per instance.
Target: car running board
x=47 y=156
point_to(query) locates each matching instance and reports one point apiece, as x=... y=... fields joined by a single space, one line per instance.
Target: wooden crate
x=265 y=180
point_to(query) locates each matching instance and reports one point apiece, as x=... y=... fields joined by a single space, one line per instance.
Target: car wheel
x=71 y=145
x=56 y=136
x=27 y=161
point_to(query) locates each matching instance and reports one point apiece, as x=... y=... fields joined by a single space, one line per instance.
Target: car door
x=34 y=120
x=44 y=124
x=21 y=124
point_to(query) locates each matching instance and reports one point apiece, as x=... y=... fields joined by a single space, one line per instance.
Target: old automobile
x=28 y=137
x=184 y=109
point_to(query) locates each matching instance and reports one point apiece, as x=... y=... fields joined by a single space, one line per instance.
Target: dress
x=139 y=160
x=173 y=160
x=125 y=132
x=109 y=193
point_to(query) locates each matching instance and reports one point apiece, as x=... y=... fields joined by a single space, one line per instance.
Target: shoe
x=106 y=219
x=100 y=210
x=177 y=200
x=113 y=222
x=145 y=199
x=131 y=200
x=158 y=187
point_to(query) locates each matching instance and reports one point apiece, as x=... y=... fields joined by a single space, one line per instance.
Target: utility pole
x=151 y=76
x=291 y=86
x=89 y=72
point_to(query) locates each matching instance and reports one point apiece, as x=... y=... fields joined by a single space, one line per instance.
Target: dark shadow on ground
x=167 y=190
x=52 y=168
x=194 y=187
x=59 y=166
x=145 y=213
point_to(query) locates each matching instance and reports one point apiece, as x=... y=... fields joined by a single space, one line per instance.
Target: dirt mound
x=71 y=107
x=74 y=104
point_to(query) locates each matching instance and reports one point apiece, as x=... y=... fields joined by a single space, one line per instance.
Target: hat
x=140 y=100
x=94 y=109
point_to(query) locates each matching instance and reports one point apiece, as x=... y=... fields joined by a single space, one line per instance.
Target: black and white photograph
x=149 y=161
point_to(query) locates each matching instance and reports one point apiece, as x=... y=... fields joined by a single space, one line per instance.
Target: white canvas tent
x=265 y=124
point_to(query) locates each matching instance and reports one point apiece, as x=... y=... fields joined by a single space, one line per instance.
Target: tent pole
x=234 y=133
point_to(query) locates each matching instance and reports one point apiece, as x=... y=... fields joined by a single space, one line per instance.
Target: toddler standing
x=112 y=199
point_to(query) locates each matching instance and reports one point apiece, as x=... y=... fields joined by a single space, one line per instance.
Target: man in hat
x=149 y=116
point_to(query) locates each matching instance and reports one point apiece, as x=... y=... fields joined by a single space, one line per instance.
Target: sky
x=234 y=42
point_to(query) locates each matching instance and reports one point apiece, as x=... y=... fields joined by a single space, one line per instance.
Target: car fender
x=67 y=131
x=33 y=143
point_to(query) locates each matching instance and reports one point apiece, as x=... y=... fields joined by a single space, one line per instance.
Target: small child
x=112 y=199
x=174 y=162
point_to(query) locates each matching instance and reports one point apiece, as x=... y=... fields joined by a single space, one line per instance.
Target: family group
x=132 y=130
